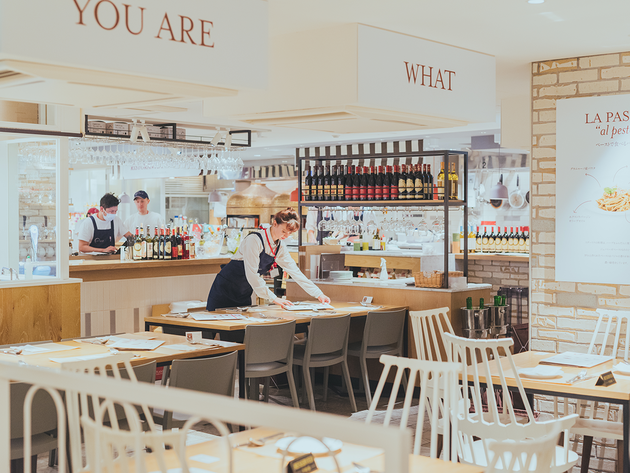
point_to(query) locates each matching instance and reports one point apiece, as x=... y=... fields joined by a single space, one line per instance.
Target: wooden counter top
x=108 y=270
x=522 y=257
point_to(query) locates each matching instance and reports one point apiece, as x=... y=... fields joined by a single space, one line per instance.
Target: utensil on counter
x=580 y=376
x=516 y=198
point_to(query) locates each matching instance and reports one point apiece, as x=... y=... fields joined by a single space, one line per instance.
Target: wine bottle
x=378 y=184
x=454 y=183
x=511 y=241
x=504 y=240
x=371 y=184
x=180 y=245
x=521 y=241
x=498 y=241
x=526 y=229
x=174 y=248
x=149 y=239
x=411 y=183
x=137 y=246
x=440 y=182
x=479 y=247
x=161 y=244
x=428 y=184
x=156 y=244
x=402 y=183
x=327 y=183
x=419 y=183
x=341 y=179
x=484 y=240
x=185 y=244
x=387 y=176
x=306 y=189
x=356 y=183
x=168 y=244
x=143 y=242
x=363 y=189
x=348 y=189
x=393 y=184
x=320 y=183
x=333 y=182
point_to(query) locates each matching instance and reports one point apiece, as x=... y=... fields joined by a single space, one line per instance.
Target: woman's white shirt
x=249 y=252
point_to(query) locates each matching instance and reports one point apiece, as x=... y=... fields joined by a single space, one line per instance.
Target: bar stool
x=383 y=335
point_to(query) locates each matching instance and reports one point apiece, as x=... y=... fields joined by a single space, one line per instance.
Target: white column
x=9 y=204
x=62 y=208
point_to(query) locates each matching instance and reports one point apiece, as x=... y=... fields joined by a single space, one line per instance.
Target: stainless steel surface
x=499 y=317
x=475 y=321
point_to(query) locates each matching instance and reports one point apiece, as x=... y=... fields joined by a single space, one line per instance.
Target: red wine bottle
x=379 y=184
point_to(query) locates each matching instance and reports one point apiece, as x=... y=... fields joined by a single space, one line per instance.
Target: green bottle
x=469 y=303
x=481 y=303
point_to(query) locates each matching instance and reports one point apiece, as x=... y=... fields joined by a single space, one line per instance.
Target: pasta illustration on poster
x=593 y=189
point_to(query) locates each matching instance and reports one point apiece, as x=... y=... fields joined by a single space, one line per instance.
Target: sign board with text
x=406 y=73
x=208 y=42
x=593 y=189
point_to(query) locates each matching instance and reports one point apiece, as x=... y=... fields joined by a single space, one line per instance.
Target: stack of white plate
x=341 y=275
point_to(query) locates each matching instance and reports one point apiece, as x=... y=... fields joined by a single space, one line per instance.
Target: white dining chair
x=611 y=337
x=533 y=453
x=80 y=404
x=432 y=403
x=488 y=364
x=429 y=327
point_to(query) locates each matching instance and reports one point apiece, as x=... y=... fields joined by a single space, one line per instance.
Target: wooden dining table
x=234 y=330
x=161 y=355
x=267 y=459
x=618 y=393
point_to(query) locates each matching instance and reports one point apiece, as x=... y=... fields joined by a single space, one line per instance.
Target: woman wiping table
x=260 y=252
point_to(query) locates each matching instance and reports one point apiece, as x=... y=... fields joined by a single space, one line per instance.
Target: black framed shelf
x=446 y=156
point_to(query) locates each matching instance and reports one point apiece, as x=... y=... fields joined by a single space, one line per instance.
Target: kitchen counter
x=91 y=270
x=376 y=284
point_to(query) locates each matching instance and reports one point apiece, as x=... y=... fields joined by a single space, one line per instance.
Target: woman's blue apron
x=230 y=287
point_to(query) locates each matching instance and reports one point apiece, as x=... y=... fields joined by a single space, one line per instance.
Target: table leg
x=626 y=438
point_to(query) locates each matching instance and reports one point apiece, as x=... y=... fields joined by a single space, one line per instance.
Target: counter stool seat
x=354 y=349
x=269 y=369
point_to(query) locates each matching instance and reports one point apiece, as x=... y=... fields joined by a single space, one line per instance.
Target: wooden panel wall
x=29 y=314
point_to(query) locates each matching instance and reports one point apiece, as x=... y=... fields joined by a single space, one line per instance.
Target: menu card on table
x=581 y=360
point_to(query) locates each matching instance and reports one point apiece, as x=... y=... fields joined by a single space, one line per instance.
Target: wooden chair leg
x=620 y=458
x=348 y=381
x=308 y=386
x=587 y=446
x=294 y=395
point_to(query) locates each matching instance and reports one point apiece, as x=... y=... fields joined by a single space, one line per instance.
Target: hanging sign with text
x=402 y=72
x=210 y=42
x=593 y=190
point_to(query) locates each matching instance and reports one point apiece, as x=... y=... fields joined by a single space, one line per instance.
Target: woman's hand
x=324 y=299
x=282 y=302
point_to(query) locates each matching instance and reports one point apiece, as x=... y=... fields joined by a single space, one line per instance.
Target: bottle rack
x=447 y=156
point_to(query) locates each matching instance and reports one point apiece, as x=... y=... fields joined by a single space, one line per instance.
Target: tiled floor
x=335 y=404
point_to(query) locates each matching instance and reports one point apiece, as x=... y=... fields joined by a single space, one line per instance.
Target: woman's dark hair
x=109 y=200
x=288 y=216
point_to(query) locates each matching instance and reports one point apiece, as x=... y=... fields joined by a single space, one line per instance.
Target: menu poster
x=593 y=189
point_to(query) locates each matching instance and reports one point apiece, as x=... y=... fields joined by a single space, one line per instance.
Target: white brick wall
x=556 y=327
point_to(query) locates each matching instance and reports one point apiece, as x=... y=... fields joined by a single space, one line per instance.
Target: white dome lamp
x=215 y=196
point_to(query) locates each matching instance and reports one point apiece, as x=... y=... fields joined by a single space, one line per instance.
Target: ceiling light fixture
x=535 y=2
x=215 y=196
